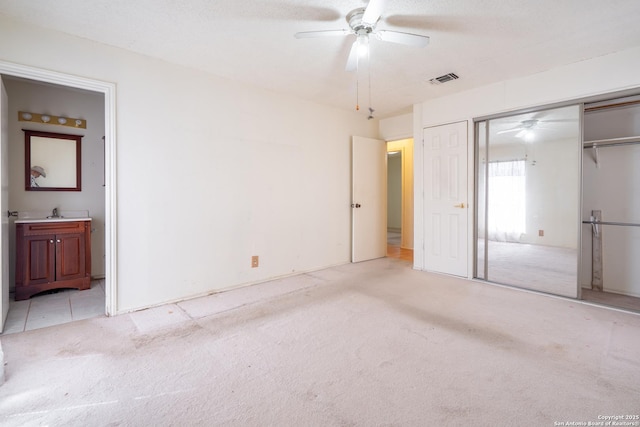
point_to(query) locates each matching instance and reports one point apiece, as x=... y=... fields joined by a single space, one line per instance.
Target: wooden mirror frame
x=28 y=134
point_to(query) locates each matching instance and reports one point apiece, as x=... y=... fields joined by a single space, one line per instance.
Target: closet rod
x=611 y=142
x=625 y=224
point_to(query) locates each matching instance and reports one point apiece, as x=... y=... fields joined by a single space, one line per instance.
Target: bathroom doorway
x=102 y=168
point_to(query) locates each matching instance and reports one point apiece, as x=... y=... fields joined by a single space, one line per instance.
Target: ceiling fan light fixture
x=362 y=23
x=363 y=45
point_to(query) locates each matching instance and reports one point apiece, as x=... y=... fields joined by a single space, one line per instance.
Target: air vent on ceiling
x=443 y=79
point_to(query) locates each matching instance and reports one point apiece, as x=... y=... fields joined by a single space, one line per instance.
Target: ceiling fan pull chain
x=358 y=84
x=369 y=71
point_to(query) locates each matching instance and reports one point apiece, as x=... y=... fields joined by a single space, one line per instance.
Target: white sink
x=45 y=216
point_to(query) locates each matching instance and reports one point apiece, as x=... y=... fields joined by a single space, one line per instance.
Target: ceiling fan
x=362 y=23
x=524 y=130
x=527 y=128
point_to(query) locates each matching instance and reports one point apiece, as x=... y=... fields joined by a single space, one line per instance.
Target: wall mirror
x=52 y=161
x=528 y=200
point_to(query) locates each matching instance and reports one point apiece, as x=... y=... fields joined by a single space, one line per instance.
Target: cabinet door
x=40 y=259
x=70 y=256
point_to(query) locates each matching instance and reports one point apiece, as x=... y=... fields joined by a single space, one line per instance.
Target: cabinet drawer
x=37 y=228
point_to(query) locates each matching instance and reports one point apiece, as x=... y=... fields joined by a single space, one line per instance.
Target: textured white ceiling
x=482 y=41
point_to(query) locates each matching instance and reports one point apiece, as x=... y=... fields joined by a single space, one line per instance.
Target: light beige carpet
x=540 y=268
x=368 y=344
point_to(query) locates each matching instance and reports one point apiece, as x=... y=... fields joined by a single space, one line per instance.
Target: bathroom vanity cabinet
x=52 y=254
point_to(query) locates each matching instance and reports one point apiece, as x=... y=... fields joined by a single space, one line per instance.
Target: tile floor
x=48 y=309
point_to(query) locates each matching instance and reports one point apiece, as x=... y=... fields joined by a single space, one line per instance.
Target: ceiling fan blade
x=323 y=33
x=522 y=133
x=509 y=131
x=352 y=61
x=559 y=121
x=373 y=12
x=403 y=38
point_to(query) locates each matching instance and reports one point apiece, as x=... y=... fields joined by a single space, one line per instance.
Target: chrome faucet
x=54 y=214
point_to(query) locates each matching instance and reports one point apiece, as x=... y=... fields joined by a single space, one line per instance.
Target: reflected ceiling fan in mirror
x=362 y=23
x=526 y=129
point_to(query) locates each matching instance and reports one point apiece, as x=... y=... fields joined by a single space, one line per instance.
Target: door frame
x=4 y=203
x=109 y=92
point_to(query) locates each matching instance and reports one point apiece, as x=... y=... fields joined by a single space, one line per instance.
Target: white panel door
x=369 y=199
x=445 y=199
x=4 y=203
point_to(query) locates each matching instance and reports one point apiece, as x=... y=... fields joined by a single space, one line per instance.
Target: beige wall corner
x=398 y=127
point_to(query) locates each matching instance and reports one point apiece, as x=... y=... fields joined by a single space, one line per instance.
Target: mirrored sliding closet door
x=528 y=200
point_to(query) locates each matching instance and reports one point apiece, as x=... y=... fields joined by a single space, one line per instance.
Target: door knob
x=461 y=206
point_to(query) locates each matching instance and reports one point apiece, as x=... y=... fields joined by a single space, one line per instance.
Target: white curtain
x=506 y=201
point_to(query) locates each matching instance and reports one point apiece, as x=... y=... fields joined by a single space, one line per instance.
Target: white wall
x=553 y=194
x=210 y=172
x=54 y=100
x=397 y=127
x=592 y=77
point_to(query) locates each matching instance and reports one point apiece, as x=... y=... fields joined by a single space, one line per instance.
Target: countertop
x=63 y=219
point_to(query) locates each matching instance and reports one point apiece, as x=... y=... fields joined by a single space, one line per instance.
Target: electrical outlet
x=255 y=261
x=541 y=233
